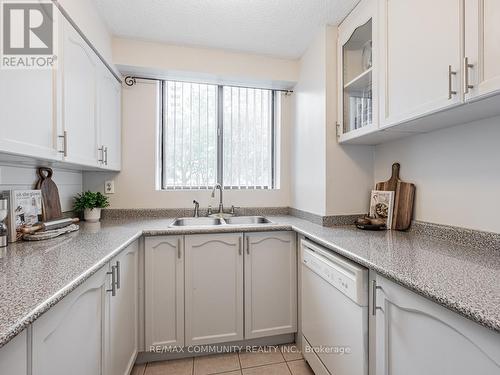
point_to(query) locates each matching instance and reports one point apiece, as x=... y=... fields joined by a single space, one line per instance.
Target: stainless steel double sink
x=211 y=221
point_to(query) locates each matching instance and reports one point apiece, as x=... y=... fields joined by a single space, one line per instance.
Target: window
x=217 y=134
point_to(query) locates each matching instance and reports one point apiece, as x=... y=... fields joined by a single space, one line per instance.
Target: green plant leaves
x=90 y=200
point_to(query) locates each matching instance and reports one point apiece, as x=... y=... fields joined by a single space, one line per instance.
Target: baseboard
x=200 y=350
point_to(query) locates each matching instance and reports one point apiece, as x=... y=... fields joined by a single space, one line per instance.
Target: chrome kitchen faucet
x=221 y=206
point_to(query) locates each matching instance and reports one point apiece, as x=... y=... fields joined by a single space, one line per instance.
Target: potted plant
x=90 y=203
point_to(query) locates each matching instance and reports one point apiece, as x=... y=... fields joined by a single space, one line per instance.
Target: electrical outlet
x=109 y=187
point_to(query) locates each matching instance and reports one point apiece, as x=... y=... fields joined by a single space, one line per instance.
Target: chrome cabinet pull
x=374 y=297
x=65 y=143
x=467 y=66
x=239 y=246
x=113 y=281
x=105 y=155
x=450 y=88
x=248 y=245
x=179 y=251
x=118 y=276
x=101 y=151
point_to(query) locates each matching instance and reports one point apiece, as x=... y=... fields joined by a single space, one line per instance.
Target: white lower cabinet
x=195 y=287
x=122 y=333
x=270 y=284
x=69 y=339
x=164 y=291
x=214 y=288
x=93 y=330
x=416 y=336
x=14 y=356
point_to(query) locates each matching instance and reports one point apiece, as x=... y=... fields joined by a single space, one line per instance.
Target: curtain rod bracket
x=130 y=81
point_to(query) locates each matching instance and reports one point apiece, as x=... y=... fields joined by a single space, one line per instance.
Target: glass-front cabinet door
x=357 y=110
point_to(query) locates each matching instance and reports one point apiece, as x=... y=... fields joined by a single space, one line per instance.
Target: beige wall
x=308 y=139
x=456 y=171
x=328 y=178
x=135 y=184
x=164 y=60
x=349 y=168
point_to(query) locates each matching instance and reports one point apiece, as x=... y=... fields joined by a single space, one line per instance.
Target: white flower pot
x=92 y=215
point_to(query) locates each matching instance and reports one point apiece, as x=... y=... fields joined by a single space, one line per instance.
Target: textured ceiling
x=282 y=28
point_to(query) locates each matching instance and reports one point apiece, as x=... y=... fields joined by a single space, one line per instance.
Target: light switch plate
x=109 y=187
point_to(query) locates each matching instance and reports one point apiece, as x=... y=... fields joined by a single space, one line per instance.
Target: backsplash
x=17 y=177
x=455 y=171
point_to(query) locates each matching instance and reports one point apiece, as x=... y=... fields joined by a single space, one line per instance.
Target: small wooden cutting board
x=51 y=205
x=404 y=194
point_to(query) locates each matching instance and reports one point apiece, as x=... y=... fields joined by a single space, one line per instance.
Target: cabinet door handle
x=101 y=151
x=451 y=73
x=118 y=275
x=239 y=246
x=179 y=251
x=467 y=66
x=105 y=155
x=374 y=297
x=248 y=245
x=113 y=281
x=65 y=143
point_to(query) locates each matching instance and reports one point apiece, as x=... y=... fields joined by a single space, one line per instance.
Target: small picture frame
x=382 y=206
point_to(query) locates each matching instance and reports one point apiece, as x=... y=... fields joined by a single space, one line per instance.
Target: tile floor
x=283 y=360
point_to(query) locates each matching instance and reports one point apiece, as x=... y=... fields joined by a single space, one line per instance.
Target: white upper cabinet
x=28 y=107
x=214 y=288
x=420 y=50
x=71 y=113
x=79 y=99
x=358 y=72
x=270 y=284
x=415 y=336
x=482 y=48
x=109 y=120
x=164 y=281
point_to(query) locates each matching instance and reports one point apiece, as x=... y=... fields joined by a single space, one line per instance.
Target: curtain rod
x=132 y=80
x=84 y=37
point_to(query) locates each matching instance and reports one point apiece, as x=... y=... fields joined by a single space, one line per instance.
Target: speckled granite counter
x=35 y=276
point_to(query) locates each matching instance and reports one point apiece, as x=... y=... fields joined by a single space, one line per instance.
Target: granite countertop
x=36 y=275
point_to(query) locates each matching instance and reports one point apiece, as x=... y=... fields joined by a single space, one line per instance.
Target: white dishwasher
x=334 y=312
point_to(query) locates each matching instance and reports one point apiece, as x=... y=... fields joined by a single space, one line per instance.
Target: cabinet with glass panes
x=357 y=74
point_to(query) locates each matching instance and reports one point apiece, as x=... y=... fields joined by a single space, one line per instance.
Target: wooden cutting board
x=404 y=194
x=51 y=205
